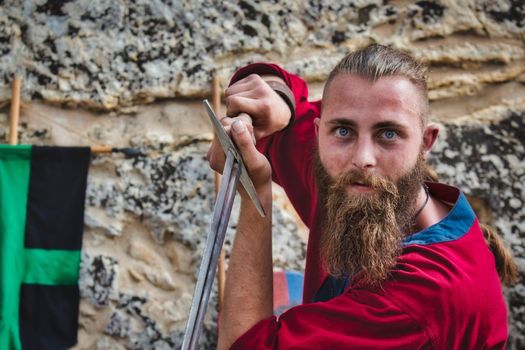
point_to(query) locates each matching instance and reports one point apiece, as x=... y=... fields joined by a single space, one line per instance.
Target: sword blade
x=214 y=242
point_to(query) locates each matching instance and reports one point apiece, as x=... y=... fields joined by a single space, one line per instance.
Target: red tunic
x=443 y=293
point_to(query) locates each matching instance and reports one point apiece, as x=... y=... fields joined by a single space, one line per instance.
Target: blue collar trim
x=452 y=227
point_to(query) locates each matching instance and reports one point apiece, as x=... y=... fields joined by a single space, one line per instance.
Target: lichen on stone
x=483 y=160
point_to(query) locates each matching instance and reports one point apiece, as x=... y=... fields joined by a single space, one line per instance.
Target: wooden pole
x=216 y=105
x=14 y=115
x=221 y=272
x=216 y=95
x=99 y=149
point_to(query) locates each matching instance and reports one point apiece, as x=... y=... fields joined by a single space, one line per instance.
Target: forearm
x=248 y=294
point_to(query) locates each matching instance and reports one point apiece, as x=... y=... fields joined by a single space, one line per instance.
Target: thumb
x=255 y=162
x=246 y=145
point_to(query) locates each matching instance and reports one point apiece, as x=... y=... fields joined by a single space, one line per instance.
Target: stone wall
x=131 y=73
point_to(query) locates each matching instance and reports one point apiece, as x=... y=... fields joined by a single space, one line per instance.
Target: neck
x=433 y=212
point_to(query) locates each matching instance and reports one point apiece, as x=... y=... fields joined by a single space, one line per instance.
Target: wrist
x=279 y=86
x=264 y=193
x=287 y=95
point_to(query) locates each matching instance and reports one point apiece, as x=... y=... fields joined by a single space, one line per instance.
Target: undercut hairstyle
x=377 y=61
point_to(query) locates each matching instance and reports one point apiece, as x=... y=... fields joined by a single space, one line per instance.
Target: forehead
x=393 y=97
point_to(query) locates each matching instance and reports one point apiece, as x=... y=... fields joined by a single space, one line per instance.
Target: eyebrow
x=390 y=125
x=343 y=122
x=377 y=126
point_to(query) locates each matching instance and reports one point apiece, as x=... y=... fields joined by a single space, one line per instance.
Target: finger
x=227 y=122
x=240 y=104
x=216 y=156
x=245 y=118
x=248 y=122
x=252 y=158
x=247 y=82
x=241 y=87
x=256 y=89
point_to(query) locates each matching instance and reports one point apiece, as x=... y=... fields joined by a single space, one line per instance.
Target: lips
x=360 y=187
x=361 y=183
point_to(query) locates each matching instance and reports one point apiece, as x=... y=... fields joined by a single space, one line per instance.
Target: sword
x=234 y=171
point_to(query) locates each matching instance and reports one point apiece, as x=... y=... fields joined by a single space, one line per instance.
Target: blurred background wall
x=132 y=73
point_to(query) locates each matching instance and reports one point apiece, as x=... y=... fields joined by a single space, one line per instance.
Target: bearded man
x=393 y=261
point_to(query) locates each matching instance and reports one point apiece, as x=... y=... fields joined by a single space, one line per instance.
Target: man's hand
x=252 y=95
x=241 y=131
x=216 y=156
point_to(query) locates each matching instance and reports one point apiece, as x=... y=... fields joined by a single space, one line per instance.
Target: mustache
x=373 y=181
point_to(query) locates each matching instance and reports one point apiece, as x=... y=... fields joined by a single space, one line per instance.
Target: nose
x=363 y=156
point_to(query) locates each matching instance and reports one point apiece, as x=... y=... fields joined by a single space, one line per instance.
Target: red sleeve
x=291 y=151
x=358 y=319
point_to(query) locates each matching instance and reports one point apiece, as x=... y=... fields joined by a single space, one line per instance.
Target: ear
x=317 y=121
x=430 y=135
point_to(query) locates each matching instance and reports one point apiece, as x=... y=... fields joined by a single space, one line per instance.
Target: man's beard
x=363 y=232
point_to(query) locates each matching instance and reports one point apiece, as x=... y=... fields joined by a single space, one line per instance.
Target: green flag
x=42 y=194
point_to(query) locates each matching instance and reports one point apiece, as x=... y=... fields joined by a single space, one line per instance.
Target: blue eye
x=343 y=132
x=389 y=134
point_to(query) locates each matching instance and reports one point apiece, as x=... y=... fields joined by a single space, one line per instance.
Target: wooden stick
x=14 y=115
x=128 y=152
x=221 y=272
x=216 y=105
x=99 y=149
x=216 y=94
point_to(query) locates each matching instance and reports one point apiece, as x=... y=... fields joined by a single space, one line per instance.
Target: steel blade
x=214 y=242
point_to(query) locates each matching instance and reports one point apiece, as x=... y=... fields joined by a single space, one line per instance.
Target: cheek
x=398 y=162
x=393 y=165
x=333 y=158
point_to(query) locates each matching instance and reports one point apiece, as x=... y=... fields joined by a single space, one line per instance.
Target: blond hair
x=505 y=264
x=377 y=61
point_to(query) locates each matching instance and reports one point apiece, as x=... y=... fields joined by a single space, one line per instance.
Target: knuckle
x=226 y=121
x=231 y=102
x=244 y=142
x=241 y=140
x=266 y=106
x=258 y=167
x=265 y=90
x=245 y=118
